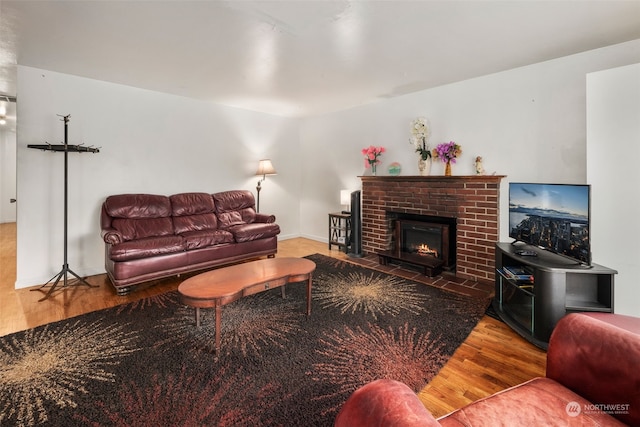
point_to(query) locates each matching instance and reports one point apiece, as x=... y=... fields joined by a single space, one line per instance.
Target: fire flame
x=424 y=249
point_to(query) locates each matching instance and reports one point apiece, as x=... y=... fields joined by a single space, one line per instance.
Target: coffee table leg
x=197 y=317
x=218 y=326
x=309 y=294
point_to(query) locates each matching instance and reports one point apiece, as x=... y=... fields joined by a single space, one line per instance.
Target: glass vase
x=447 y=168
x=374 y=169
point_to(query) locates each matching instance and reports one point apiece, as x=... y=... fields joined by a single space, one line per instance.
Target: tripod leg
x=48 y=294
x=58 y=277
x=81 y=280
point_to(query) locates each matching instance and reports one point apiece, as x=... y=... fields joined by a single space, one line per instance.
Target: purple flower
x=447 y=151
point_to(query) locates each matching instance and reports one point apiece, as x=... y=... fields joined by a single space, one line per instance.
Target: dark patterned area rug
x=146 y=364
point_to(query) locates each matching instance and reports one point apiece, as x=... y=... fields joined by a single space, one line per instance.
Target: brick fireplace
x=472 y=200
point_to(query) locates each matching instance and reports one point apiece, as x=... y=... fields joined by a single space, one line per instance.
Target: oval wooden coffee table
x=216 y=288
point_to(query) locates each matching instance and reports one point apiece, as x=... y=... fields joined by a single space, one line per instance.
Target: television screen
x=554 y=217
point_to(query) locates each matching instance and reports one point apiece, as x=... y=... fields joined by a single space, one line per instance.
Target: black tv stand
x=555 y=285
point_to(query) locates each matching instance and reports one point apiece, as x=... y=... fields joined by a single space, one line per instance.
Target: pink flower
x=371 y=155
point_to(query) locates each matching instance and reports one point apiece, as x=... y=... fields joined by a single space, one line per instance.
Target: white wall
x=527 y=123
x=7 y=174
x=613 y=152
x=149 y=142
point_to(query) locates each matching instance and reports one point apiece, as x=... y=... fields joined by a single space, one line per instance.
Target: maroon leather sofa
x=592 y=379
x=150 y=236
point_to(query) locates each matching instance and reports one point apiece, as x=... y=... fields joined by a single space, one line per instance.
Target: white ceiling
x=304 y=57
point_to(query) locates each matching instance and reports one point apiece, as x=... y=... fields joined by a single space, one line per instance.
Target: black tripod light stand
x=66 y=149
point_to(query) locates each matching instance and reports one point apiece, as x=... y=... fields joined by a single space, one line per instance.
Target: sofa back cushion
x=234 y=208
x=193 y=212
x=137 y=216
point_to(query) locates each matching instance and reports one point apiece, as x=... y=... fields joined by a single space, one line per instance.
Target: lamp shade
x=345 y=197
x=265 y=168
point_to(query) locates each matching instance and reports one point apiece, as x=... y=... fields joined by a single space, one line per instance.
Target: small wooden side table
x=340 y=230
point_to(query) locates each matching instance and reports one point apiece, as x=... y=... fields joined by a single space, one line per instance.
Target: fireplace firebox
x=423 y=238
x=421 y=241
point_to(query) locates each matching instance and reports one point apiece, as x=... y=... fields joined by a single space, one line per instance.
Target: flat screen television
x=554 y=217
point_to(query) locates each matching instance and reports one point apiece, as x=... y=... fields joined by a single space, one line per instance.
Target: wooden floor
x=491 y=359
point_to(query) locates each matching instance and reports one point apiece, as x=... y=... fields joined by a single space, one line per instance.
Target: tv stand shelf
x=559 y=286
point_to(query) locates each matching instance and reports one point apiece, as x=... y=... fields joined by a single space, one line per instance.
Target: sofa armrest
x=268 y=219
x=596 y=355
x=386 y=403
x=111 y=236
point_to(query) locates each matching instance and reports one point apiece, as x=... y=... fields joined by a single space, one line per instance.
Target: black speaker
x=355 y=247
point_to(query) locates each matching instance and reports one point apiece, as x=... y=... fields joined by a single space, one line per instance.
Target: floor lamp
x=66 y=149
x=264 y=168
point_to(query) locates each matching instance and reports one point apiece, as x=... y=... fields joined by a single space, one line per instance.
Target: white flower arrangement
x=420 y=133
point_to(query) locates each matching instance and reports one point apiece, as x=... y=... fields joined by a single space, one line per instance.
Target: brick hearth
x=473 y=200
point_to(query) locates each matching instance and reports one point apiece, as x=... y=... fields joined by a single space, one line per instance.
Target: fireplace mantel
x=473 y=200
x=434 y=178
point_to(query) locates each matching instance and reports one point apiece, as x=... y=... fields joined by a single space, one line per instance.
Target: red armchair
x=592 y=379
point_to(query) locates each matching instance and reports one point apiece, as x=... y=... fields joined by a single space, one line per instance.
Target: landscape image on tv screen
x=552 y=216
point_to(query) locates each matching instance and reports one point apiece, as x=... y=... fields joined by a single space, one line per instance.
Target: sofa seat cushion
x=203 y=238
x=538 y=402
x=254 y=231
x=147 y=247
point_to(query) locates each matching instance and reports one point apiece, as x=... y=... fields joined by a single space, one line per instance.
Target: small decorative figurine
x=479 y=167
